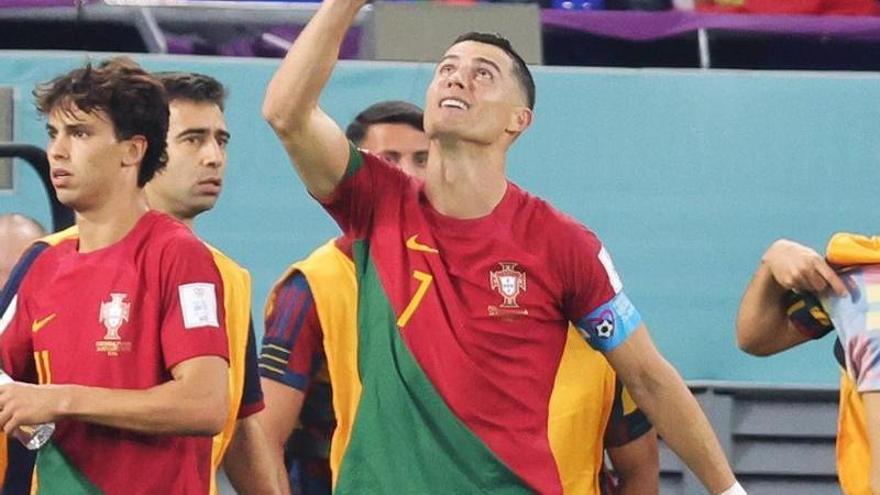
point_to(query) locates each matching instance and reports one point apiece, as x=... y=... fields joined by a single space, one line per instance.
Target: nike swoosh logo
x=37 y=325
x=415 y=245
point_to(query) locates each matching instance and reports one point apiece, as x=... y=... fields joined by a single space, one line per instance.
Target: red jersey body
x=120 y=317
x=482 y=306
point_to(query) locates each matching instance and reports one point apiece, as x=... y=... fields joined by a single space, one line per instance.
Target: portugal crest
x=509 y=282
x=113 y=314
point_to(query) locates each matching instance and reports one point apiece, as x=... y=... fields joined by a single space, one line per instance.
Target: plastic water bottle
x=32 y=437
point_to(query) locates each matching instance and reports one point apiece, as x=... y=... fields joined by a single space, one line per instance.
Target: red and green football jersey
x=461 y=327
x=120 y=317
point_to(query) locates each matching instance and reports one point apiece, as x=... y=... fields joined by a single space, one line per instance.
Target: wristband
x=807 y=314
x=736 y=489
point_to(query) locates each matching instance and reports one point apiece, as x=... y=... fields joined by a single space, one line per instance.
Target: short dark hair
x=385 y=112
x=192 y=86
x=520 y=69
x=132 y=97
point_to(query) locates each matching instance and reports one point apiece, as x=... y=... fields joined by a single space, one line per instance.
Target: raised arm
x=314 y=142
x=762 y=323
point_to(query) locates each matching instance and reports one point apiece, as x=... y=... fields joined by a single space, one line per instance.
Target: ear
x=520 y=120
x=135 y=148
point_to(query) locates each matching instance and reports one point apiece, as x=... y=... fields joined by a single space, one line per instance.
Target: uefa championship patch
x=613 y=277
x=198 y=304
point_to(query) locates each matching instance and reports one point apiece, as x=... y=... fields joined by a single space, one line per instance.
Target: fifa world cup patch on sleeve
x=613 y=277
x=198 y=304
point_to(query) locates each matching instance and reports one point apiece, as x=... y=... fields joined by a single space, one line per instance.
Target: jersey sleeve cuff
x=355 y=163
x=250 y=409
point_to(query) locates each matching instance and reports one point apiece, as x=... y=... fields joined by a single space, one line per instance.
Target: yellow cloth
x=237 y=306
x=853 y=450
x=331 y=277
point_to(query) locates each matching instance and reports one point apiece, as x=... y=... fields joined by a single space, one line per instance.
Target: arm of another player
x=278 y=420
x=637 y=465
x=762 y=323
x=193 y=402
x=659 y=391
x=314 y=142
x=291 y=342
x=631 y=443
x=248 y=461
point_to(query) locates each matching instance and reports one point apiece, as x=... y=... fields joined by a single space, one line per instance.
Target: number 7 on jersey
x=425 y=280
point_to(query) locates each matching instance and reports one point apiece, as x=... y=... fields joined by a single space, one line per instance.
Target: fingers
x=797 y=267
x=830 y=278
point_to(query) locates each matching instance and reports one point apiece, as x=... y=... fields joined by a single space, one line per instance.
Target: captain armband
x=807 y=314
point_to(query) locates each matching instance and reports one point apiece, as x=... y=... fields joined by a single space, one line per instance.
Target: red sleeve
x=588 y=275
x=16 y=346
x=367 y=179
x=192 y=303
x=252 y=396
x=594 y=298
x=293 y=343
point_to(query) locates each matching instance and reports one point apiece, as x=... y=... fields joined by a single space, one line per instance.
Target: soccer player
x=466 y=286
x=17 y=232
x=121 y=322
x=781 y=308
x=189 y=185
x=299 y=418
x=295 y=376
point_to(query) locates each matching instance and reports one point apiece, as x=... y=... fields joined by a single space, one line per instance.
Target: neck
x=156 y=202
x=108 y=224
x=465 y=180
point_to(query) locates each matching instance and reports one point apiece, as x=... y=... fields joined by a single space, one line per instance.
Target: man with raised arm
x=467 y=285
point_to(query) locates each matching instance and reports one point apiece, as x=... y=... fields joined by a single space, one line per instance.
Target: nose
x=215 y=154
x=58 y=148
x=455 y=79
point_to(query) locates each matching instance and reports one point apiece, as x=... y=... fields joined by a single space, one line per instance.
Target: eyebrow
x=489 y=62
x=70 y=128
x=202 y=131
x=445 y=57
x=483 y=60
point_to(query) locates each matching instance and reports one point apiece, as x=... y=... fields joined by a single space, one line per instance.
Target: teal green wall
x=687 y=177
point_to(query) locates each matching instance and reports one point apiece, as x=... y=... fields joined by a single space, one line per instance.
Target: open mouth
x=454 y=103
